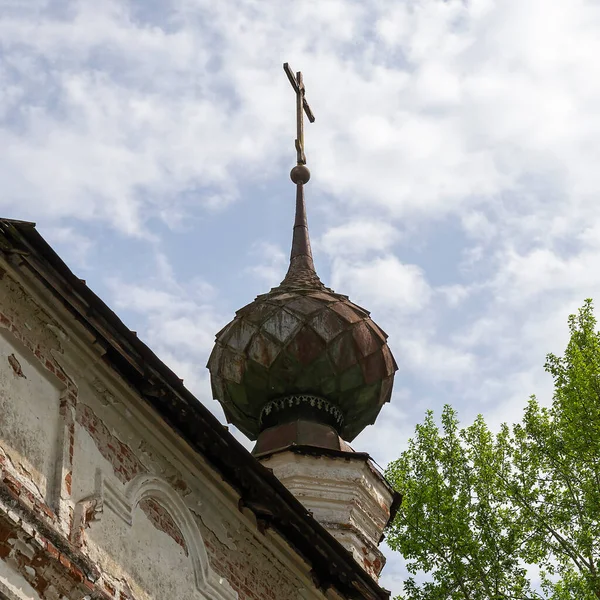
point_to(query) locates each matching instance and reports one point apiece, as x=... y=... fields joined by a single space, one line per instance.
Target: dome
x=302 y=351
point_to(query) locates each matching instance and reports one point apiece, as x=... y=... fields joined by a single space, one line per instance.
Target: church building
x=116 y=483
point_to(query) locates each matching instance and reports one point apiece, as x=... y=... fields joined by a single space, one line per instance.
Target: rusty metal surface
x=260 y=491
x=301 y=272
x=304 y=339
x=297 y=433
x=301 y=108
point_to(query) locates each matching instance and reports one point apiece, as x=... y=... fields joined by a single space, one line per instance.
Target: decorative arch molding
x=209 y=584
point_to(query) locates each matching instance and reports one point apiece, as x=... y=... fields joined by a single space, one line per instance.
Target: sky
x=455 y=168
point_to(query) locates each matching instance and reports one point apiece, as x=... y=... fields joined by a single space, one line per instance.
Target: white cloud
x=271 y=263
x=384 y=282
x=434 y=361
x=193 y=103
x=385 y=440
x=454 y=294
x=470 y=125
x=71 y=242
x=179 y=321
x=356 y=238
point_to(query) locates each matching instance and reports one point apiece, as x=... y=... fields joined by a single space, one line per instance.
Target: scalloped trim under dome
x=294 y=405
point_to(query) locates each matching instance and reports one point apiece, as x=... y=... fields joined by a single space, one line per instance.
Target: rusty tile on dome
x=218 y=391
x=260 y=311
x=224 y=331
x=215 y=358
x=327 y=324
x=246 y=309
x=228 y=414
x=343 y=352
x=282 y=325
x=359 y=309
x=366 y=341
x=382 y=335
x=386 y=390
x=235 y=415
x=390 y=363
x=374 y=368
x=352 y=378
x=282 y=297
x=347 y=402
x=342 y=309
x=263 y=350
x=304 y=305
x=328 y=386
x=232 y=366
x=237 y=394
x=256 y=377
x=322 y=296
x=310 y=377
x=284 y=372
x=306 y=346
x=240 y=335
x=367 y=397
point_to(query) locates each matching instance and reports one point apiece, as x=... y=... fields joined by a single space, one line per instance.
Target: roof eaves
x=260 y=490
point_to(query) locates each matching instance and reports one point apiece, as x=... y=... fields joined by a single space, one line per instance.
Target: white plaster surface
x=346 y=496
x=156 y=565
x=13 y=585
x=29 y=414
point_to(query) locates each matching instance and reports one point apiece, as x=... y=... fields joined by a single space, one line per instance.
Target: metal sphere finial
x=300 y=174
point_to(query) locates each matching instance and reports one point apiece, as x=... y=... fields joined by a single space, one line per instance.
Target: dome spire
x=301 y=352
x=301 y=272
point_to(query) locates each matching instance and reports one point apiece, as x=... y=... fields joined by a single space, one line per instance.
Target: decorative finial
x=300 y=173
x=301 y=272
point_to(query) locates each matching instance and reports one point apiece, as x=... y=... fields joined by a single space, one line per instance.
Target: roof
x=260 y=491
x=302 y=350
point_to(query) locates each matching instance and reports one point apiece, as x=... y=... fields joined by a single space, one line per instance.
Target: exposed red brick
x=49 y=577
x=162 y=520
x=125 y=463
x=110 y=588
x=250 y=570
x=47 y=362
x=53 y=551
x=16 y=366
x=65 y=561
x=14 y=487
x=45 y=509
x=27 y=496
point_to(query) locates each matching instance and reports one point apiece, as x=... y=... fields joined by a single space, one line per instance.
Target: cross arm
x=299 y=90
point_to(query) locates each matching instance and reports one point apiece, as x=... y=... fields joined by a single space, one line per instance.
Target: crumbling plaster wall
x=345 y=494
x=111 y=480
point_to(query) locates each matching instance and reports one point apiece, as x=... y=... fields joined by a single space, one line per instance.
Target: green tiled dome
x=302 y=344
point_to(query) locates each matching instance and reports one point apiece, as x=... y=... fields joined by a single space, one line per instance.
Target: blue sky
x=454 y=165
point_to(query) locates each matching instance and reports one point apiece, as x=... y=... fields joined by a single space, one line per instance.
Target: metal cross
x=301 y=104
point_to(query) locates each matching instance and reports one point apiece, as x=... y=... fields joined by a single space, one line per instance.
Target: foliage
x=479 y=507
x=453 y=522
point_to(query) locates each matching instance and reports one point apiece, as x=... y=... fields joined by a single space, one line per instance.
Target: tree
x=454 y=522
x=480 y=507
